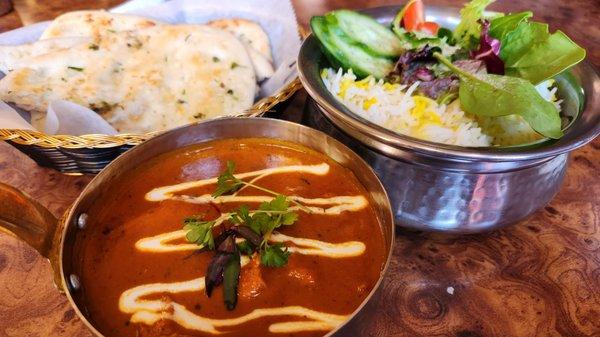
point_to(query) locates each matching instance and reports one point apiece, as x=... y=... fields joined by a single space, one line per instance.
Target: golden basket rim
x=29 y=137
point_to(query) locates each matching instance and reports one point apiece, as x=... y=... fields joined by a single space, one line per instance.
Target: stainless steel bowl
x=449 y=188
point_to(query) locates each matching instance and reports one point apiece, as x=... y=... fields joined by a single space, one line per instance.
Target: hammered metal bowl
x=449 y=188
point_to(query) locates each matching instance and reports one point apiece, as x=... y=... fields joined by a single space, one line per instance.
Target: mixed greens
x=491 y=62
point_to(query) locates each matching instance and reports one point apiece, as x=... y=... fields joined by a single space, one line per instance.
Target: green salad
x=487 y=82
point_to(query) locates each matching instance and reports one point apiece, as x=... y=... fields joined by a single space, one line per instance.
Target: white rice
x=397 y=108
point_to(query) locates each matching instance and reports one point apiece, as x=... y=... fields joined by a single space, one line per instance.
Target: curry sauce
x=141 y=277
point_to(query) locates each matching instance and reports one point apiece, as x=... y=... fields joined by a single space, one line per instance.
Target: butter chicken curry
x=282 y=238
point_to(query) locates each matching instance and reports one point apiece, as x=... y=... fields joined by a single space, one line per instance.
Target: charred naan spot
x=102 y=107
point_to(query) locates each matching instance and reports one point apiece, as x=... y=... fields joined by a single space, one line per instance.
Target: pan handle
x=26 y=219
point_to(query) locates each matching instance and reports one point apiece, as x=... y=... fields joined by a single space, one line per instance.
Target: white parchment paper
x=277 y=18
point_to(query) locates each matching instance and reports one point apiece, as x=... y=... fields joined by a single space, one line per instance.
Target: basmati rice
x=397 y=108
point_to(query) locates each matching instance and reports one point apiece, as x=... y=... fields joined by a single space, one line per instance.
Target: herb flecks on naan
x=94 y=23
x=248 y=32
x=256 y=41
x=13 y=57
x=142 y=80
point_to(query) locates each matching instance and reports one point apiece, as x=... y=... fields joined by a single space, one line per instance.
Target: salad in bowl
x=491 y=81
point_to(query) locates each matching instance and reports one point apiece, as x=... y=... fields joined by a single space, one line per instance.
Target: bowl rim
x=586 y=125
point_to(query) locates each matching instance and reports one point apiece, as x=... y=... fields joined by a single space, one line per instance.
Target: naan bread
x=13 y=57
x=247 y=31
x=263 y=68
x=256 y=41
x=143 y=80
x=94 y=23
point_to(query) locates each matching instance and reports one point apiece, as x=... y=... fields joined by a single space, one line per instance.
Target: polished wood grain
x=540 y=277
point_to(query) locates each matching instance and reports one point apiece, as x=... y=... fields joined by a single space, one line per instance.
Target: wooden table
x=540 y=277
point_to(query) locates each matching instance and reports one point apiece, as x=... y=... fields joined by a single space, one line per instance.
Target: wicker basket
x=90 y=153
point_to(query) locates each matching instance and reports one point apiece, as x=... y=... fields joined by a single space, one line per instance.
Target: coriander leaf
x=289 y=218
x=195 y=234
x=279 y=204
x=231 y=278
x=209 y=241
x=227 y=182
x=467 y=31
x=274 y=256
x=276 y=215
x=257 y=223
x=503 y=25
x=199 y=232
x=245 y=248
x=260 y=223
x=241 y=215
x=532 y=53
x=494 y=95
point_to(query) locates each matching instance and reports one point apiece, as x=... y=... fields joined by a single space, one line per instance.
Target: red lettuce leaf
x=489 y=50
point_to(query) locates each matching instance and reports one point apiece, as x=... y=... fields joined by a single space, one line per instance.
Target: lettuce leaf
x=468 y=30
x=503 y=25
x=532 y=53
x=495 y=95
x=488 y=51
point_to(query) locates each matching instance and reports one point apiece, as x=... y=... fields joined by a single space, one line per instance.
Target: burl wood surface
x=540 y=277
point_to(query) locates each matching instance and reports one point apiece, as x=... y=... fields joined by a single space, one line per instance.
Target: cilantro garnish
x=227 y=183
x=200 y=232
x=254 y=227
x=269 y=216
x=274 y=255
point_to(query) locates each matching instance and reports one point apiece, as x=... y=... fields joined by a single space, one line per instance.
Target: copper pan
x=54 y=239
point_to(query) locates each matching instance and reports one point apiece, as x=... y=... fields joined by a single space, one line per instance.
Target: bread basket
x=90 y=153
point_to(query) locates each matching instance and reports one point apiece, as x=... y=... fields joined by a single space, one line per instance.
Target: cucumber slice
x=319 y=29
x=340 y=50
x=378 y=39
